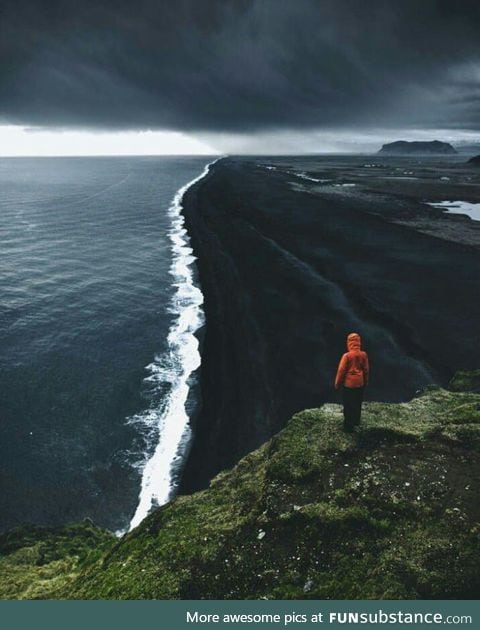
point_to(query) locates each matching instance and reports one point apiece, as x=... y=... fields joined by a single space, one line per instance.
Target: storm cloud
x=233 y=66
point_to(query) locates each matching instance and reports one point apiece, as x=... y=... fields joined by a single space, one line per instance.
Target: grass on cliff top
x=392 y=511
x=37 y=562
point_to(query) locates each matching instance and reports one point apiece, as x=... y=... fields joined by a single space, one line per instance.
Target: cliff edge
x=392 y=512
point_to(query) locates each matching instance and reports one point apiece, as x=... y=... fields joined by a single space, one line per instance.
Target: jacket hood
x=354 y=342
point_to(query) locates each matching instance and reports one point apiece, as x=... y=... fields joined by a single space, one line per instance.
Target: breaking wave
x=168 y=424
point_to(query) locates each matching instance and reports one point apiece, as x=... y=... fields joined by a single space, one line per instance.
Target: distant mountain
x=468 y=149
x=474 y=161
x=402 y=147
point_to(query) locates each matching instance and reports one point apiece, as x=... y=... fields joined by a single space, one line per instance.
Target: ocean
x=99 y=306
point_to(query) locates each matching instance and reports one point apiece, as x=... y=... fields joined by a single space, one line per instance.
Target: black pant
x=352 y=407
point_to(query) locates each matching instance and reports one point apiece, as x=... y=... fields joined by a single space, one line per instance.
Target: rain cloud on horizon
x=233 y=68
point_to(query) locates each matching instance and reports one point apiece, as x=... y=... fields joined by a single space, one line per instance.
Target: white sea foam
x=459 y=207
x=170 y=422
x=307 y=177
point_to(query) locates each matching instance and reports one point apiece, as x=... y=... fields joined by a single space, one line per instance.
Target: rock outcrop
x=402 y=147
x=474 y=161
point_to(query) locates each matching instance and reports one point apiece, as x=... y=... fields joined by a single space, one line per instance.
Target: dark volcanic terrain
x=293 y=254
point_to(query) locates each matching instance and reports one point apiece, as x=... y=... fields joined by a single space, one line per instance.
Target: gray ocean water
x=85 y=293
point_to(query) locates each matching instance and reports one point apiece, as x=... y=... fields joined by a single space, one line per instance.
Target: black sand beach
x=288 y=266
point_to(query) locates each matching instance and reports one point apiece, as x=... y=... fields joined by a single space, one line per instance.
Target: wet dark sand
x=289 y=266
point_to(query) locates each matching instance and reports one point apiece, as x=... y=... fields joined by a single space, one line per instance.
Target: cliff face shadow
x=286 y=274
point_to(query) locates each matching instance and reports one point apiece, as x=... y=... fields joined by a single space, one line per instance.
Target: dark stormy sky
x=223 y=69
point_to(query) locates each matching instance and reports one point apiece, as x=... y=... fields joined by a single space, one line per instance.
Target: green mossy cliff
x=392 y=511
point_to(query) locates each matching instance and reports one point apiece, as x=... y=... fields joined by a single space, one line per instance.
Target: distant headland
x=474 y=161
x=402 y=147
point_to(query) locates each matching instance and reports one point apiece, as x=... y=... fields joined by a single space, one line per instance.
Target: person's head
x=354 y=341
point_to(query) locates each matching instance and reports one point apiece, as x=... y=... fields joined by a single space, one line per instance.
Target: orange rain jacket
x=353 y=367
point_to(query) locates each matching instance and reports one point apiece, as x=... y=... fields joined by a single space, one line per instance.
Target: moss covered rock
x=464 y=381
x=392 y=511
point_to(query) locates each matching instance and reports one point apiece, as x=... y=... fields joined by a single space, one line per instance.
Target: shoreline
x=171 y=423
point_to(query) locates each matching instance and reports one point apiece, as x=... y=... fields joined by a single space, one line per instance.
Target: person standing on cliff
x=352 y=377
